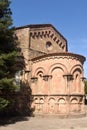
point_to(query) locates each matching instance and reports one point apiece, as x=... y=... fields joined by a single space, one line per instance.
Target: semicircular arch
x=61 y=100
x=57 y=65
x=39 y=69
x=75 y=68
x=74 y=100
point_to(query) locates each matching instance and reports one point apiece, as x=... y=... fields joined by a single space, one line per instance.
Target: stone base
x=77 y=115
x=59 y=105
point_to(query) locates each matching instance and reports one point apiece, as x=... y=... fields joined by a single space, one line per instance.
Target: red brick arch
x=58 y=65
x=78 y=68
x=39 y=69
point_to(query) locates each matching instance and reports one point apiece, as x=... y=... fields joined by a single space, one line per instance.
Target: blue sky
x=69 y=17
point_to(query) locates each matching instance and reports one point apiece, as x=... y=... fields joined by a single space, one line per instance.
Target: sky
x=69 y=17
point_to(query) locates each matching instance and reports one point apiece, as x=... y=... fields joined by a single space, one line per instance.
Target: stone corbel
x=69 y=77
x=27 y=71
x=83 y=79
x=34 y=79
x=46 y=77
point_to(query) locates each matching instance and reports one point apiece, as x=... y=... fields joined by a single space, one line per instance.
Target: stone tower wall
x=55 y=76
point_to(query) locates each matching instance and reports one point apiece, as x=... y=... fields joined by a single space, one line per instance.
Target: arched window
x=49 y=45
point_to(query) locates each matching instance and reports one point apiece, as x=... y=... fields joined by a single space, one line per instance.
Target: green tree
x=85 y=86
x=8 y=56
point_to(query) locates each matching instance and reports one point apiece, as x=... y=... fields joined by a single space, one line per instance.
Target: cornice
x=63 y=55
x=39 y=26
x=76 y=95
x=48 y=33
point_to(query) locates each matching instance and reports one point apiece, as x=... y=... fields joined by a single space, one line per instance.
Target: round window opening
x=49 y=45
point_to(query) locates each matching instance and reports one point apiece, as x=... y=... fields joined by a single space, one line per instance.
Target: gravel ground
x=47 y=123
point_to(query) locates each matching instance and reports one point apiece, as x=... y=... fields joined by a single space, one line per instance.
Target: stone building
x=56 y=76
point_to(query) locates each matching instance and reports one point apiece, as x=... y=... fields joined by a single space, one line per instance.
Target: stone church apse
x=56 y=76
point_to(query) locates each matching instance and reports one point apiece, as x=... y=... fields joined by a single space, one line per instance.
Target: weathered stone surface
x=55 y=75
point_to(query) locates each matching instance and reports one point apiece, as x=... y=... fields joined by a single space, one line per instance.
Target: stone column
x=47 y=78
x=68 y=78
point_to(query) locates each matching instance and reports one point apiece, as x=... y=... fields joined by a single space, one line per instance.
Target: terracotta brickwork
x=56 y=77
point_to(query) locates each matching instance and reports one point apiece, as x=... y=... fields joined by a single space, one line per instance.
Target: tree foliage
x=8 y=55
x=85 y=86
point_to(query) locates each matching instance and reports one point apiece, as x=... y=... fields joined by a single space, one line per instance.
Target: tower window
x=49 y=45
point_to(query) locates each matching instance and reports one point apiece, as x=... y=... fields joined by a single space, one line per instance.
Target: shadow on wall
x=86 y=99
x=24 y=100
x=21 y=107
